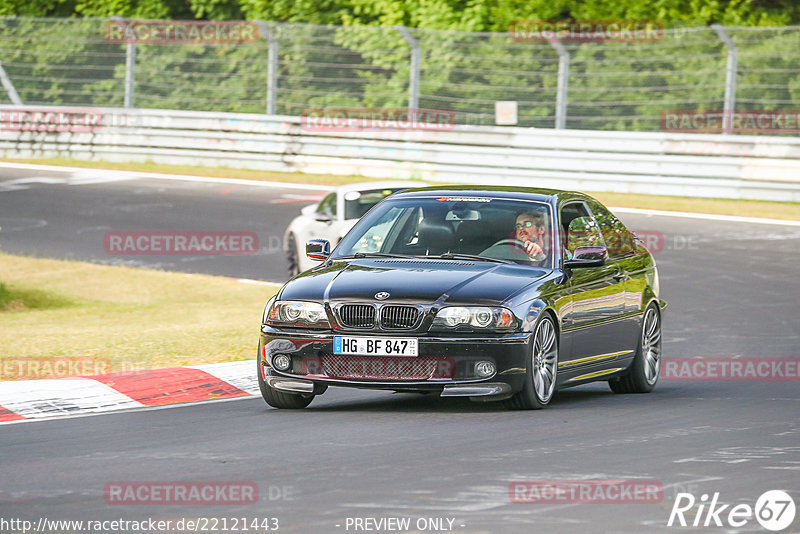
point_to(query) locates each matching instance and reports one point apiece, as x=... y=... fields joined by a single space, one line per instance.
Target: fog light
x=484 y=369
x=281 y=362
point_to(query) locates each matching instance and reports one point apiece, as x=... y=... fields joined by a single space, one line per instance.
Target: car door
x=632 y=266
x=597 y=296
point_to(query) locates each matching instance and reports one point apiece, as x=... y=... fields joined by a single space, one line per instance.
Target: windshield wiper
x=459 y=256
x=380 y=255
x=445 y=256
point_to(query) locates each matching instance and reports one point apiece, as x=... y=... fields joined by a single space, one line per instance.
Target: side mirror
x=321 y=216
x=318 y=249
x=587 y=257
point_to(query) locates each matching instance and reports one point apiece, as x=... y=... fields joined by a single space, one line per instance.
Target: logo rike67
x=774 y=510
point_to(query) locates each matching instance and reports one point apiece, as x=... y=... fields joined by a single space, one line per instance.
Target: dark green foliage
x=364 y=62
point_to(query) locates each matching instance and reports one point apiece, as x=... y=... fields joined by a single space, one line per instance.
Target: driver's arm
x=535 y=252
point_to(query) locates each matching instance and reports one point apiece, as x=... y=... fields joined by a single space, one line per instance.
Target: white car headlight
x=297 y=313
x=453 y=316
x=494 y=317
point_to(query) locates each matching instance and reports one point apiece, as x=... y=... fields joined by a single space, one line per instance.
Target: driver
x=530 y=230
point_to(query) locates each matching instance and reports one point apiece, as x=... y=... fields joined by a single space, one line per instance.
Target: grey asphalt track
x=67 y=214
x=732 y=290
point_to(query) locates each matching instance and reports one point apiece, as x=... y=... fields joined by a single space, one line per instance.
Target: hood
x=417 y=281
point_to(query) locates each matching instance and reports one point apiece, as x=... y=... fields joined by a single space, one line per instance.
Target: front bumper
x=508 y=353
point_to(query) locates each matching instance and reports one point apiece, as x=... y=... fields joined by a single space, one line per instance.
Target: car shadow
x=432 y=403
x=596 y=394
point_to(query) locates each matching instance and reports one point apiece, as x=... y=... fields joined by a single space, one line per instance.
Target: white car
x=333 y=217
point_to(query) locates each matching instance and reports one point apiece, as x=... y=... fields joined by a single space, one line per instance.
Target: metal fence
x=292 y=67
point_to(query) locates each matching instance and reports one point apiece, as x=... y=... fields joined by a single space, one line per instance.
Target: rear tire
x=292 y=259
x=280 y=399
x=542 y=369
x=644 y=371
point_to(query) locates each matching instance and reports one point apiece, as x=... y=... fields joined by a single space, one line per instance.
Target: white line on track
x=133 y=175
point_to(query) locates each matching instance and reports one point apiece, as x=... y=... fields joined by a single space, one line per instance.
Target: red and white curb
x=36 y=399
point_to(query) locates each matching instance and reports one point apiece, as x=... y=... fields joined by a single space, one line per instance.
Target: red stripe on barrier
x=170 y=386
x=8 y=415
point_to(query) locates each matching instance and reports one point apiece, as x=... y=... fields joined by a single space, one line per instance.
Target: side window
x=578 y=228
x=617 y=237
x=328 y=205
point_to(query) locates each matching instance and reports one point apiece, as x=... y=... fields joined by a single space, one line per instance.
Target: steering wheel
x=515 y=245
x=516 y=250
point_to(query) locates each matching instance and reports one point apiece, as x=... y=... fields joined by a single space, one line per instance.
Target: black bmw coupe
x=491 y=293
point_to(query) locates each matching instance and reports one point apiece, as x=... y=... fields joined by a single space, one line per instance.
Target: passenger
x=530 y=228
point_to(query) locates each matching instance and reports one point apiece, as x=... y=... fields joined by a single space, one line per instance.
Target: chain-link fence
x=288 y=68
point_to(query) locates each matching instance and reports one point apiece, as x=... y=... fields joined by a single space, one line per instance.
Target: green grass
x=718 y=206
x=746 y=208
x=121 y=317
x=21 y=299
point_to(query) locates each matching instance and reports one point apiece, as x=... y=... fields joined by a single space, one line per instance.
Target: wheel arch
x=536 y=309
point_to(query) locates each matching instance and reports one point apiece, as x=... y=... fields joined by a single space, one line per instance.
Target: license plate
x=375 y=346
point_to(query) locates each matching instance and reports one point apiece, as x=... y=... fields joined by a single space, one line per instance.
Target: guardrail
x=720 y=166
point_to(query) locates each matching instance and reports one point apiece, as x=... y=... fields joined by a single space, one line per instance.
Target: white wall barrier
x=699 y=165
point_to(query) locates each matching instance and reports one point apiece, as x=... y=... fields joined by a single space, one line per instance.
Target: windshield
x=451 y=227
x=357 y=203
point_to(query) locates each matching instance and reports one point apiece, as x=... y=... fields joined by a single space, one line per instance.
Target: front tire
x=280 y=399
x=542 y=369
x=292 y=259
x=643 y=374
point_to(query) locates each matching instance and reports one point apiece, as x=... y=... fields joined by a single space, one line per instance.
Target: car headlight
x=267 y=308
x=297 y=313
x=483 y=317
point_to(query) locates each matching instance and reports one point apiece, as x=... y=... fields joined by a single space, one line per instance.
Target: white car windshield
x=498 y=229
x=357 y=203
